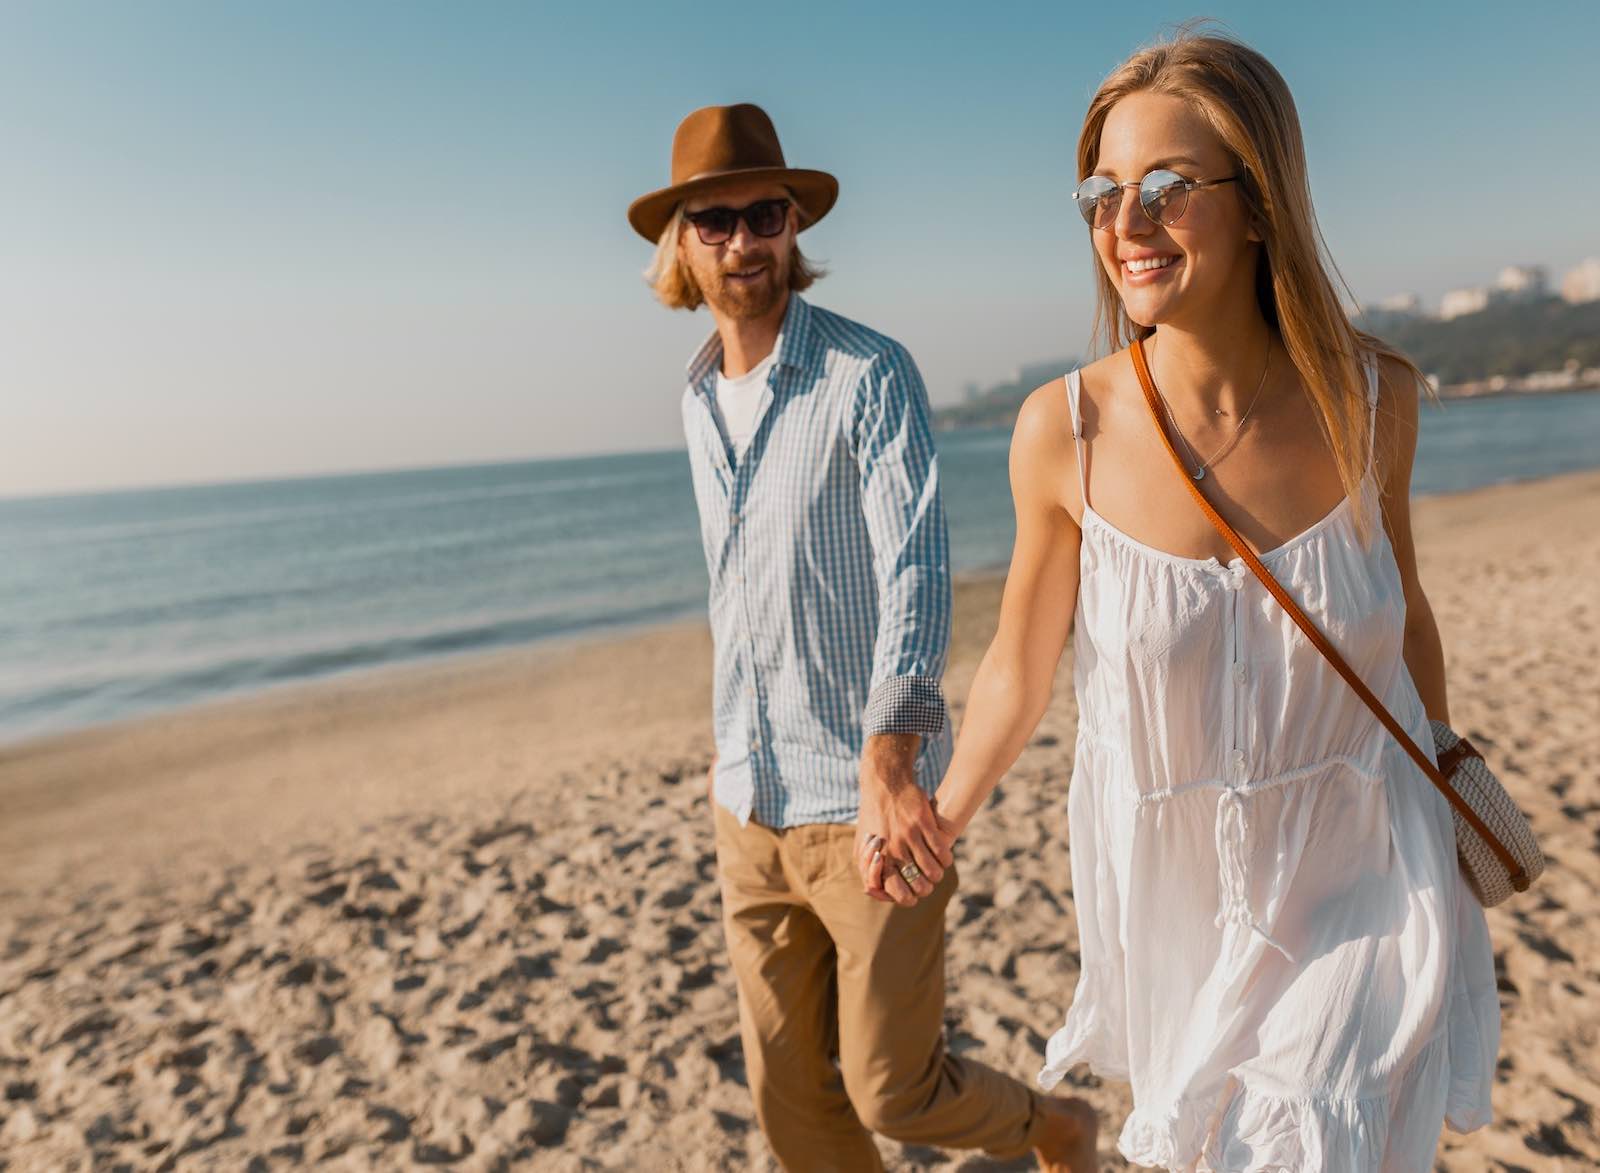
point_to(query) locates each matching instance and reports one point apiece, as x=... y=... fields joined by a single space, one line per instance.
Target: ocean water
x=118 y=604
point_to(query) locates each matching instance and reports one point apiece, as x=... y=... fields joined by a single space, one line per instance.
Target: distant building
x=1583 y=282
x=1459 y=302
x=1401 y=303
x=1521 y=283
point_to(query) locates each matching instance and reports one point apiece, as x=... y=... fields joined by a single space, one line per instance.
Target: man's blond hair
x=675 y=286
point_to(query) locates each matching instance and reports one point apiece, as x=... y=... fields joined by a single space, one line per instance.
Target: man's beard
x=748 y=301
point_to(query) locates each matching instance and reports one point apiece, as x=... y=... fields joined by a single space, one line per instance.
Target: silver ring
x=910 y=873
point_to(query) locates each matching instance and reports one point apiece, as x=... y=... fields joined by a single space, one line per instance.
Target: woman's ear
x=1257 y=232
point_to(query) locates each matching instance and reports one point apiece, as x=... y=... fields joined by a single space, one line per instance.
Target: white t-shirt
x=736 y=401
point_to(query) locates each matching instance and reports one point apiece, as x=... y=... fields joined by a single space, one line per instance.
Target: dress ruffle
x=1247 y=1129
x=1089 y=1036
x=1250 y=1131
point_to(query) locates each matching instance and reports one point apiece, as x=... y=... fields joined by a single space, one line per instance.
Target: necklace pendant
x=1199 y=474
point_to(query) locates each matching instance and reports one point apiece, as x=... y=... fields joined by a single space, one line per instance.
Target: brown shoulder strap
x=1318 y=640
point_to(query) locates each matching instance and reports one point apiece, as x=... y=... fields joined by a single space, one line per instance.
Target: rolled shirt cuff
x=906 y=704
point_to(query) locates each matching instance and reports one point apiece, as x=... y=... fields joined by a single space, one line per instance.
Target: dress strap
x=1371 y=364
x=1074 y=385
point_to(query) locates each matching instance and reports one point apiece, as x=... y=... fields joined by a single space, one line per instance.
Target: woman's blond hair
x=1248 y=105
x=676 y=288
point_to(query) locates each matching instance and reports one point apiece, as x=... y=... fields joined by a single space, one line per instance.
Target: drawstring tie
x=1233 y=832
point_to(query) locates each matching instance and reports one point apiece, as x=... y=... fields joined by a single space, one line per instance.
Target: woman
x=1278 y=950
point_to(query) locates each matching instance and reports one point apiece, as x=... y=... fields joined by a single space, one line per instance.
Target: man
x=817 y=487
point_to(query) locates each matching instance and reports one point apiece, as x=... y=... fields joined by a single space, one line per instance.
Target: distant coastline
x=1538 y=383
x=962 y=419
x=1529 y=347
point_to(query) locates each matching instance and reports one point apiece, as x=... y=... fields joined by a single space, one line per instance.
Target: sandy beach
x=466 y=913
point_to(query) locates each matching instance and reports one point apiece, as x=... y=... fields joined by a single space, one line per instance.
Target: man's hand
x=898 y=825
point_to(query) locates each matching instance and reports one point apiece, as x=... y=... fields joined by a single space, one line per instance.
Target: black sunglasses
x=1164 y=196
x=717 y=225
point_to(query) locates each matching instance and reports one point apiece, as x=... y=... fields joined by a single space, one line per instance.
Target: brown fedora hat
x=717 y=143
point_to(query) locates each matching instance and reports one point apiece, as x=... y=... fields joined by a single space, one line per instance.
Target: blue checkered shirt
x=830 y=574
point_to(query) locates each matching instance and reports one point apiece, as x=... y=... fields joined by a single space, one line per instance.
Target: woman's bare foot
x=1068 y=1136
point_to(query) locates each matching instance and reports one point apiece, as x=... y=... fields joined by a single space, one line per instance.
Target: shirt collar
x=794 y=346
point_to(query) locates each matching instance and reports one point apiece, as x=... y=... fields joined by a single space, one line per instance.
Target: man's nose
x=742 y=240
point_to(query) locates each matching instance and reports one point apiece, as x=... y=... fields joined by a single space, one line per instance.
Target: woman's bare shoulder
x=1399 y=394
x=1044 y=455
x=1044 y=421
x=1398 y=386
x=1399 y=398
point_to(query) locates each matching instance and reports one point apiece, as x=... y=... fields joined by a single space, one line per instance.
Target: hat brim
x=814 y=191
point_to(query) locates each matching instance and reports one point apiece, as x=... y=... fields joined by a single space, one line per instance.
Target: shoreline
x=25 y=744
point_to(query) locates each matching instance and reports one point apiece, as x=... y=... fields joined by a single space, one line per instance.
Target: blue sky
x=242 y=241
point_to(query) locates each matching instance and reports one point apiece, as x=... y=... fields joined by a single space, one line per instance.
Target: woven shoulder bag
x=1497 y=849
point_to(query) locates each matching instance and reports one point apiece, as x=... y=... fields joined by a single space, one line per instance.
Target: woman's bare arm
x=1398 y=398
x=1013 y=683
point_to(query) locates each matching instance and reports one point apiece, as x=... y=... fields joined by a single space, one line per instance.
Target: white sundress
x=1278 y=950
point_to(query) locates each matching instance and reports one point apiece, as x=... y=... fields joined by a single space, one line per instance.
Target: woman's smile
x=1149 y=268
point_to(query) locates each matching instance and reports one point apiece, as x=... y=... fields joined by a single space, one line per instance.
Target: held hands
x=893 y=880
x=903 y=845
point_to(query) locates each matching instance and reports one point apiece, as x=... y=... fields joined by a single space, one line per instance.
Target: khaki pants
x=841 y=1007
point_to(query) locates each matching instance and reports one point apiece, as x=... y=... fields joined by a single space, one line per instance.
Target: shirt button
x=1238 y=673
